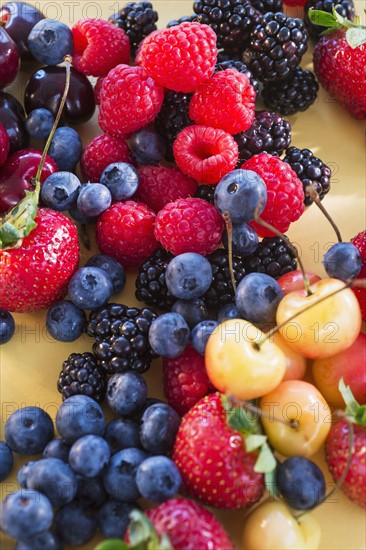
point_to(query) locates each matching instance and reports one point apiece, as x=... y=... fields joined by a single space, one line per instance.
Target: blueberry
x=122 y=180
x=169 y=335
x=25 y=513
x=66 y=148
x=147 y=146
x=159 y=426
x=300 y=482
x=201 y=333
x=116 y=272
x=257 y=298
x=91 y=491
x=76 y=523
x=89 y=455
x=77 y=416
x=28 y=430
x=126 y=392
x=49 y=41
x=7 y=326
x=65 y=321
x=188 y=276
x=79 y=217
x=244 y=240
x=120 y=476
x=60 y=191
x=90 y=288
x=122 y=433
x=57 y=448
x=53 y=478
x=24 y=472
x=239 y=193
x=39 y=123
x=192 y=311
x=229 y=311
x=342 y=261
x=158 y=478
x=46 y=540
x=114 y=518
x=93 y=199
x=6 y=460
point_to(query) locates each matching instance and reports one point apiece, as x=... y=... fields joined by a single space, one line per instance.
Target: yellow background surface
x=30 y=363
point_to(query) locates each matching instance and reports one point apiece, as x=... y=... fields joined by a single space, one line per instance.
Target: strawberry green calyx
x=355 y=412
x=19 y=222
x=355 y=33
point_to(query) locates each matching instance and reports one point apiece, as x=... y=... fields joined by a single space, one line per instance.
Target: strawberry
x=360 y=242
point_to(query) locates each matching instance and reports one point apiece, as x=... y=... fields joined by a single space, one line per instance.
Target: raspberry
x=185 y=380
x=101 y=151
x=189 y=225
x=125 y=231
x=129 y=100
x=285 y=194
x=225 y=101
x=206 y=154
x=360 y=242
x=239 y=66
x=99 y=46
x=180 y=57
x=4 y=144
x=97 y=90
x=159 y=185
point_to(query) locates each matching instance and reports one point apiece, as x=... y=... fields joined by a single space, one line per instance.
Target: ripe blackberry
x=206 y=192
x=310 y=169
x=265 y=6
x=138 y=20
x=221 y=291
x=345 y=8
x=294 y=94
x=150 y=282
x=121 y=337
x=172 y=118
x=232 y=21
x=239 y=66
x=272 y=257
x=269 y=133
x=81 y=374
x=277 y=45
x=183 y=19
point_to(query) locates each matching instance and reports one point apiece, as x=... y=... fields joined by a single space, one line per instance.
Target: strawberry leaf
x=322 y=18
x=112 y=544
x=266 y=462
x=254 y=441
x=143 y=535
x=355 y=412
x=271 y=484
x=356 y=37
x=19 y=222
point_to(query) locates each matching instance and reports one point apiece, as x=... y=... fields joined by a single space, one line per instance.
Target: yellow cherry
x=295 y=362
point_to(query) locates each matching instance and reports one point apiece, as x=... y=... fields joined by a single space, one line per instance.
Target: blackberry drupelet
x=265 y=6
x=269 y=133
x=138 y=20
x=239 y=66
x=172 y=118
x=345 y=8
x=121 y=337
x=183 y=19
x=81 y=374
x=206 y=192
x=221 y=291
x=272 y=257
x=310 y=169
x=228 y=56
x=150 y=282
x=277 y=45
x=294 y=94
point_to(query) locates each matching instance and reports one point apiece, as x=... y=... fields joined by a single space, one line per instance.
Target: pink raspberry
x=285 y=193
x=225 y=101
x=189 y=225
x=206 y=154
x=159 y=185
x=101 y=151
x=125 y=231
x=179 y=57
x=97 y=89
x=99 y=46
x=129 y=100
x=4 y=144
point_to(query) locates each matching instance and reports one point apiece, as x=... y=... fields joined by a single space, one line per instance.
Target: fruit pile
x=190 y=187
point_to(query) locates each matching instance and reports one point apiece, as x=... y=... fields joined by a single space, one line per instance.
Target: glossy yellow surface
x=30 y=363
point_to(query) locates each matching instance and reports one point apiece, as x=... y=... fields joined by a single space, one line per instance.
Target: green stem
x=229 y=229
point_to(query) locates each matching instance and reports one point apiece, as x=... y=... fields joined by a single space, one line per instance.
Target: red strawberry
x=212 y=459
x=360 y=242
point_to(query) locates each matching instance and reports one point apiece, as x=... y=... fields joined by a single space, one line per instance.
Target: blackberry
x=345 y=8
x=265 y=6
x=310 y=169
x=173 y=117
x=269 y=133
x=206 y=192
x=239 y=66
x=121 y=337
x=221 y=291
x=228 y=56
x=272 y=257
x=277 y=45
x=81 y=374
x=138 y=20
x=150 y=282
x=183 y=19
x=232 y=21
x=294 y=94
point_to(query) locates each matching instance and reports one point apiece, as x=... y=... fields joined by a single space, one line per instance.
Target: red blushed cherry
x=17 y=173
x=4 y=144
x=294 y=280
x=9 y=59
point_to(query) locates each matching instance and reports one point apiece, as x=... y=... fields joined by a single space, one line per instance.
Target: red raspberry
x=185 y=380
x=159 y=185
x=285 y=193
x=180 y=57
x=225 y=101
x=189 y=225
x=129 y=100
x=360 y=242
x=206 y=154
x=97 y=89
x=101 y=151
x=4 y=144
x=99 y=46
x=125 y=231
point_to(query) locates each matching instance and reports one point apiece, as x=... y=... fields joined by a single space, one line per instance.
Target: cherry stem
x=229 y=229
x=314 y=195
x=294 y=424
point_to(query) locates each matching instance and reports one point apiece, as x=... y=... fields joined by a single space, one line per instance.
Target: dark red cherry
x=17 y=173
x=45 y=88
x=12 y=116
x=19 y=19
x=9 y=59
